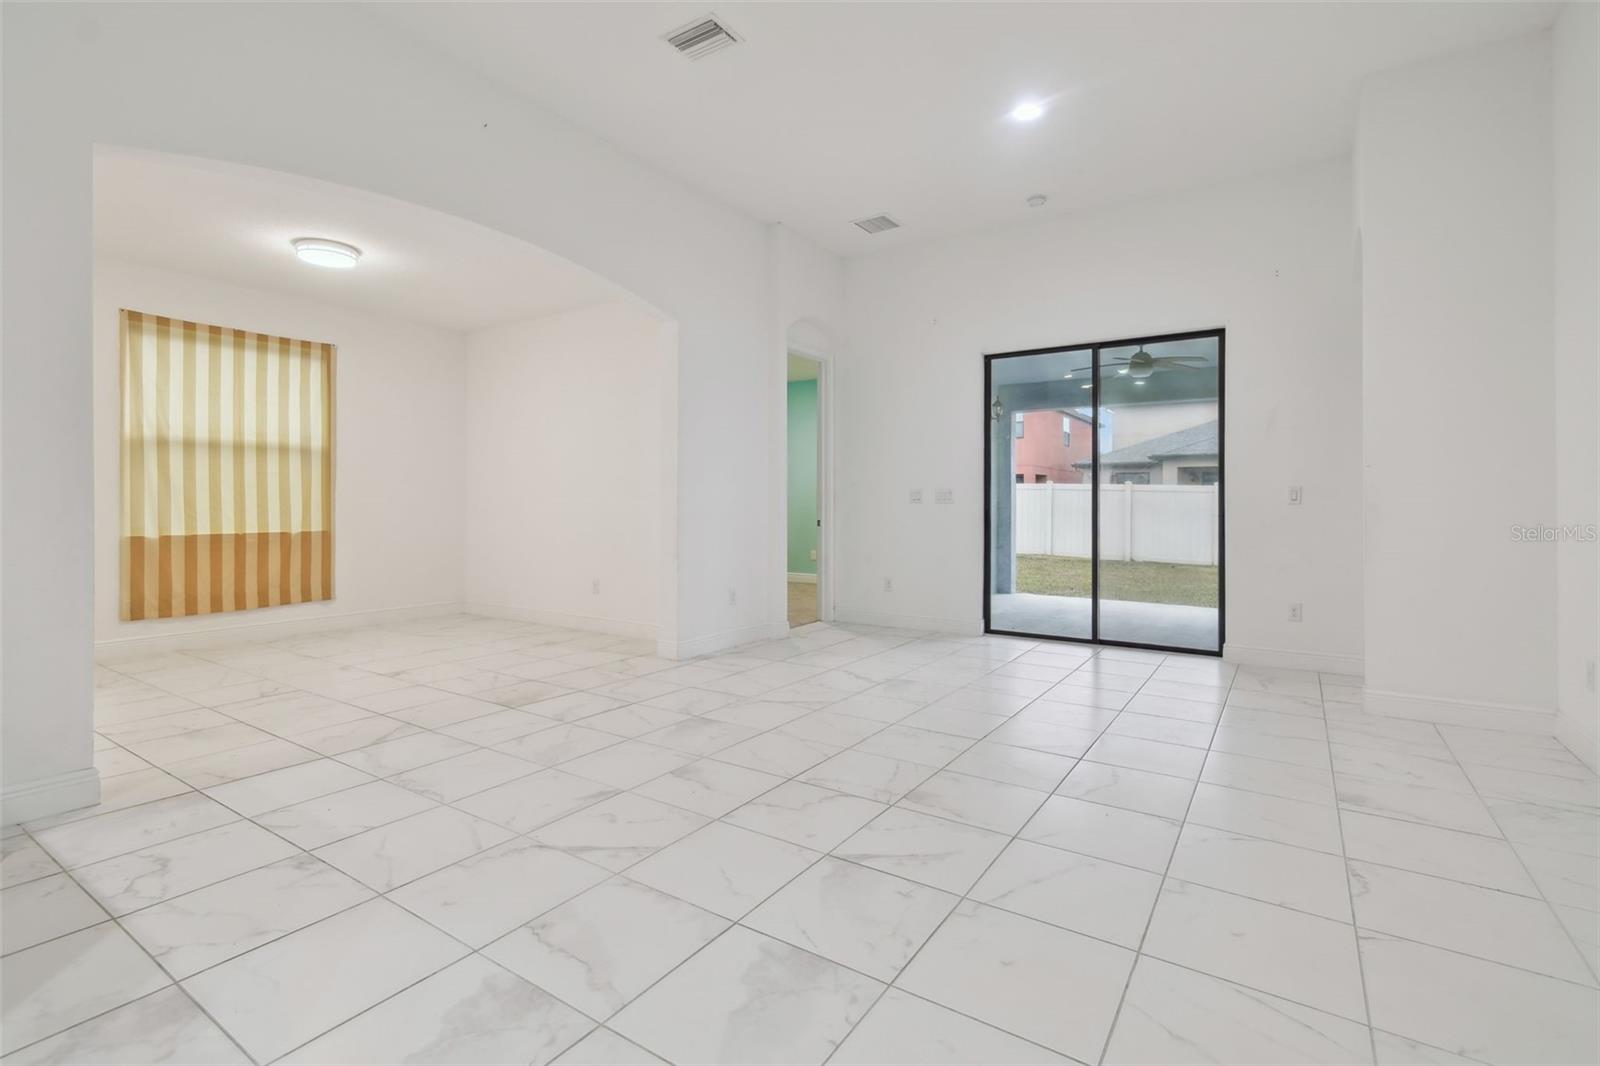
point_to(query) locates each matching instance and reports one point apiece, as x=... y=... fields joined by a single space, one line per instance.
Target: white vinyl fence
x=1144 y=523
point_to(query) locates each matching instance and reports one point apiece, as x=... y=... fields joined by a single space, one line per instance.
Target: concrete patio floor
x=1169 y=625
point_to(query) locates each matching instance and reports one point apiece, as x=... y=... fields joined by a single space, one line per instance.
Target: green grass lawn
x=1057 y=575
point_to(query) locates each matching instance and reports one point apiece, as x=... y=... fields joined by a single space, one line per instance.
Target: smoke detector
x=701 y=37
x=876 y=224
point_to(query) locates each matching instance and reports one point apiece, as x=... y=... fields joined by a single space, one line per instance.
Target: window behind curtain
x=227 y=468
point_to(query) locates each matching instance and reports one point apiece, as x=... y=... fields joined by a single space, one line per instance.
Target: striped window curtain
x=227 y=469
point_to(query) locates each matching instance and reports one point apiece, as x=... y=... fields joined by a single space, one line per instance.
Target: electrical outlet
x=733 y=598
x=813 y=555
x=1294 y=494
x=944 y=496
x=1294 y=612
x=594 y=586
x=916 y=495
x=888 y=584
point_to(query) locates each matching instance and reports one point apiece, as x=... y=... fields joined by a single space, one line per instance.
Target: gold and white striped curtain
x=227 y=469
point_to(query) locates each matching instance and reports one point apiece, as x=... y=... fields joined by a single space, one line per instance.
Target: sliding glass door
x=1104 y=516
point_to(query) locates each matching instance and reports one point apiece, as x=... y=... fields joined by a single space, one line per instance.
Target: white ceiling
x=235 y=223
x=831 y=112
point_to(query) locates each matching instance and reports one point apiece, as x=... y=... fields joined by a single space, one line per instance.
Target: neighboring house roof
x=1196 y=442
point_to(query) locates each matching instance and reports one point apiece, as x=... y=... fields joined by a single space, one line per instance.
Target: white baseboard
x=251 y=627
x=29 y=801
x=589 y=623
x=1508 y=717
x=1321 y=662
x=712 y=643
x=1580 y=738
x=926 y=623
x=804 y=579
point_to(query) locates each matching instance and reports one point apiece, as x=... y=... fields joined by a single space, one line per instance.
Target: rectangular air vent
x=877 y=223
x=701 y=37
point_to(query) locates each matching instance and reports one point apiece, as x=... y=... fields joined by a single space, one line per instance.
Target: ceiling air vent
x=876 y=224
x=701 y=37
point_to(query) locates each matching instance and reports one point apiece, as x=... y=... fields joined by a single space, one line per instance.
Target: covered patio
x=1169 y=625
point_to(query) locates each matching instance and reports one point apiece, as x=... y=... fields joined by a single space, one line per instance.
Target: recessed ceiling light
x=1138 y=381
x=1087 y=385
x=1122 y=370
x=1027 y=111
x=1067 y=376
x=321 y=252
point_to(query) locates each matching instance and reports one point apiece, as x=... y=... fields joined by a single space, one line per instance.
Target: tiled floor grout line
x=385 y=894
x=713 y=756
x=993 y=665
x=1350 y=894
x=537 y=767
x=739 y=922
x=1522 y=865
x=963 y=897
x=137 y=999
x=966 y=895
x=172 y=982
x=1138 y=951
x=614 y=874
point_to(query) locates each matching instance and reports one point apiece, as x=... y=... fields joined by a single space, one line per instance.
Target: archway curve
x=409 y=250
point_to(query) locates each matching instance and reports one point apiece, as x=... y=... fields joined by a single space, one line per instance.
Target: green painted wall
x=802 y=476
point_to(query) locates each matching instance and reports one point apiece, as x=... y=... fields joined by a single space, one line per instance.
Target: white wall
x=1271 y=259
x=348 y=99
x=400 y=441
x=1454 y=179
x=1576 y=127
x=563 y=468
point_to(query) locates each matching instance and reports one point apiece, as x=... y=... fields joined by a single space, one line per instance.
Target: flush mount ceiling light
x=319 y=251
x=1027 y=111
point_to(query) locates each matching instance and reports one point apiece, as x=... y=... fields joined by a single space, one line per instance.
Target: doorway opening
x=803 y=413
x=1104 y=510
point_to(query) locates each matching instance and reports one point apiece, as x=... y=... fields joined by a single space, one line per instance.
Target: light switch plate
x=916 y=495
x=1294 y=494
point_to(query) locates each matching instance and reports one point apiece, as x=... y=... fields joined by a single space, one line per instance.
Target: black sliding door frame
x=1094 y=350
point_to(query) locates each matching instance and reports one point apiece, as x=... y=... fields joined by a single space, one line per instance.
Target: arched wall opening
x=499 y=425
x=353 y=100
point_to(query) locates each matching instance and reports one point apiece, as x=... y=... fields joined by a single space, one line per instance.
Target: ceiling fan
x=1141 y=364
